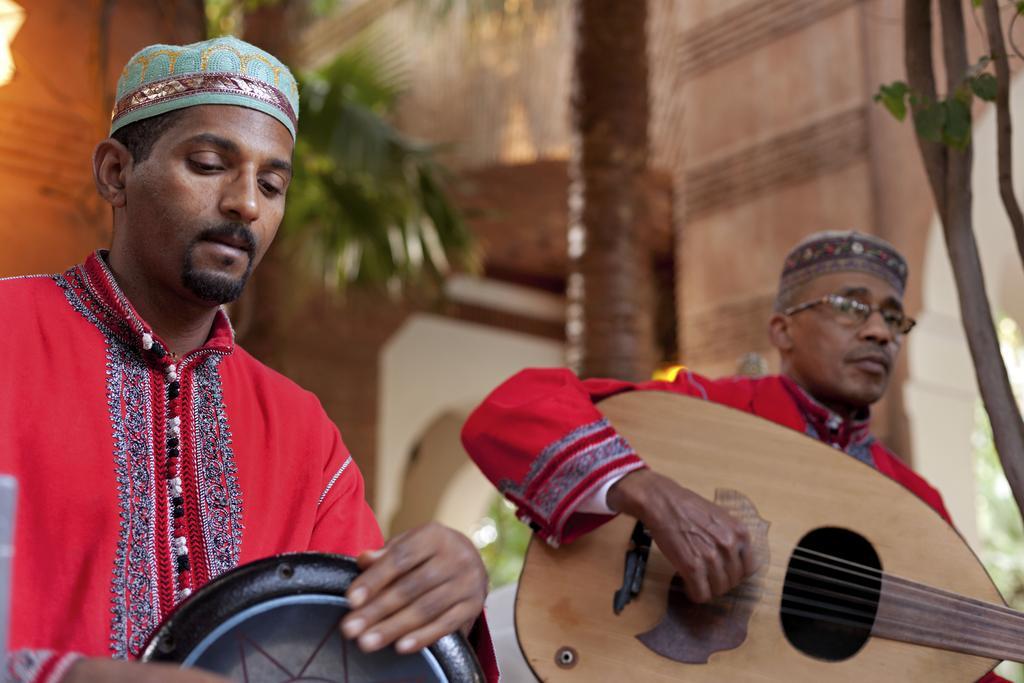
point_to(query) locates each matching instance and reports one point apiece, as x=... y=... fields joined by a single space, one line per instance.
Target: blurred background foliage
x=502 y=539
x=513 y=14
x=226 y=17
x=367 y=204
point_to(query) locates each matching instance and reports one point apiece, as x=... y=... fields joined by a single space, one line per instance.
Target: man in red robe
x=152 y=453
x=838 y=326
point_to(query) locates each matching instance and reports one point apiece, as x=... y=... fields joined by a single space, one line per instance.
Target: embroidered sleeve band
x=566 y=472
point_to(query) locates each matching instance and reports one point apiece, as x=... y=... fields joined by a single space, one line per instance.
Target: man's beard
x=215 y=287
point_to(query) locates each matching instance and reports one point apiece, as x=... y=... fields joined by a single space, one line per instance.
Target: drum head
x=278 y=619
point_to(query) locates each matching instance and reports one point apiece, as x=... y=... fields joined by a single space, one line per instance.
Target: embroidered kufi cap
x=162 y=78
x=833 y=251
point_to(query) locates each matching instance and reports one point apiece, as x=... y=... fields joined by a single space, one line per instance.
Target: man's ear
x=779 y=332
x=111 y=163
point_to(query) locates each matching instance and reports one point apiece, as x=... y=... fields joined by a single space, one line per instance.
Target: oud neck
x=914 y=613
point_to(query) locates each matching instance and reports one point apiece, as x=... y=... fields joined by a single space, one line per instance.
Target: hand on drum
x=421 y=586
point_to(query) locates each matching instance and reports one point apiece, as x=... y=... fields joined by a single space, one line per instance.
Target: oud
x=860 y=580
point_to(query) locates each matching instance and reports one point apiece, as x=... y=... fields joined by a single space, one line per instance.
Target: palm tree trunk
x=610 y=320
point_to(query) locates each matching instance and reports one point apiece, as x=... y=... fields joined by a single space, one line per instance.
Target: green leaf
x=894 y=98
x=956 y=131
x=929 y=121
x=1020 y=7
x=985 y=86
x=963 y=95
x=977 y=3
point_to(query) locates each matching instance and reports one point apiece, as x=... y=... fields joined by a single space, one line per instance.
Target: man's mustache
x=234 y=234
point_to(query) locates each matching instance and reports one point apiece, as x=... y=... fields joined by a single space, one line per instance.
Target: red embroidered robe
x=539 y=438
x=143 y=476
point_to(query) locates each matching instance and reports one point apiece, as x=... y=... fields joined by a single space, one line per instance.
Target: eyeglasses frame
x=908 y=322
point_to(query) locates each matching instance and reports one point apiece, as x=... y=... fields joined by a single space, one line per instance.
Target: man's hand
x=421 y=586
x=101 y=670
x=707 y=546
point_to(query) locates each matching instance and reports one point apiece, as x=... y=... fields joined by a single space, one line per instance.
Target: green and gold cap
x=163 y=78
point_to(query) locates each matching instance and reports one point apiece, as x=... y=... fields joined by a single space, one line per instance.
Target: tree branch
x=993 y=382
x=1004 y=126
x=954 y=44
x=917 y=45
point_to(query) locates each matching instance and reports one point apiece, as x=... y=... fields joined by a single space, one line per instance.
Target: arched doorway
x=433 y=371
x=441 y=483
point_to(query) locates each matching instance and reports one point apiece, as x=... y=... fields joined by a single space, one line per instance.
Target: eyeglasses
x=853 y=312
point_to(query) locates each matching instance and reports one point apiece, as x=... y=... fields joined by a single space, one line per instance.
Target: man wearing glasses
x=838 y=326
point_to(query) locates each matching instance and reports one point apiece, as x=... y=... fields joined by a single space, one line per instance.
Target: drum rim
x=287 y=574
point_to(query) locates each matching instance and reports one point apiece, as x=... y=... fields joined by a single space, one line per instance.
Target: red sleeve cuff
x=564 y=474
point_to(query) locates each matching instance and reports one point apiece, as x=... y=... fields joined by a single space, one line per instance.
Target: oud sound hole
x=830 y=594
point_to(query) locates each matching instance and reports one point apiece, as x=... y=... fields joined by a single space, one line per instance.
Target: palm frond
x=367 y=203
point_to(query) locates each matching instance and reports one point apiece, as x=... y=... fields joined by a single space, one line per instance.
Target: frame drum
x=278 y=619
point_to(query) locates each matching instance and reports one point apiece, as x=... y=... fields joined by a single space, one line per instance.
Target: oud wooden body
x=797 y=484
